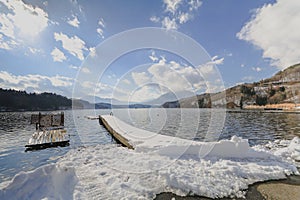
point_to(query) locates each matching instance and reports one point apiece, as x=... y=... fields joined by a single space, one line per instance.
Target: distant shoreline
x=258 y=109
x=281 y=106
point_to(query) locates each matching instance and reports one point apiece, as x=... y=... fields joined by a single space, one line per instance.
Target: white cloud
x=211 y=75
x=176 y=12
x=274 y=29
x=216 y=61
x=14 y=24
x=194 y=4
x=58 y=55
x=7 y=26
x=85 y=70
x=242 y=65
x=219 y=61
x=100 y=32
x=145 y=93
x=183 y=17
x=73 y=67
x=74 y=45
x=77 y=6
x=60 y=81
x=126 y=81
x=101 y=23
x=92 y=51
x=257 y=69
x=36 y=83
x=88 y=85
x=74 y=22
x=100 y=29
x=140 y=78
x=174 y=76
x=172 y=5
x=153 y=56
x=5 y=44
x=169 y=24
x=161 y=77
x=154 y=19
x=34 y=50
x=207 y=69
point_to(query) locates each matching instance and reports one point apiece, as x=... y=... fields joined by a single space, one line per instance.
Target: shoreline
x=257 y=191
x=262 y=111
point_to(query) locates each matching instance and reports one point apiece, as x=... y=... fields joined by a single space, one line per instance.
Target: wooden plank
x=30 y=147
x=48 y=120
x=34 y=119
x=118 y=137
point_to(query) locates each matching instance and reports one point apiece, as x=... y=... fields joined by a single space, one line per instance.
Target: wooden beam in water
x=118 y=137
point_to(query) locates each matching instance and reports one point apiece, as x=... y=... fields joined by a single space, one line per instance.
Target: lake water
x=202 y=125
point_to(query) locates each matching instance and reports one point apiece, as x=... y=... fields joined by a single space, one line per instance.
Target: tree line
x=13 y=100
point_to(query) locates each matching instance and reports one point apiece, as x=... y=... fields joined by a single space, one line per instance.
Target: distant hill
x=12 y=100
x=170 y=96
x=283 y=87
x=96 y=100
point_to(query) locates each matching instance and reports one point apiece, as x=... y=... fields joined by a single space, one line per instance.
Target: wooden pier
x=146 y=141
x=118 y=137
x=139 y=139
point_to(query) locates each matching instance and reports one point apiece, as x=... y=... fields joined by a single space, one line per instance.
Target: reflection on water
x=259 y=128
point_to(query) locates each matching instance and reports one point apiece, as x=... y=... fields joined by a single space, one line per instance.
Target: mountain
x=82 y=104
x=283 y=87
x=170 y=96
x=96 y=100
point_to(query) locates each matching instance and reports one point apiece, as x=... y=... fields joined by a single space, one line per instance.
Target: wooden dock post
x=119 y=138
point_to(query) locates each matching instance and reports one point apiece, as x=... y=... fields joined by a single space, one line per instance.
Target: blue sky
x=44 y=44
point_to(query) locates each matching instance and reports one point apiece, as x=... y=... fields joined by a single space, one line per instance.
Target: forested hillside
x=12 y=100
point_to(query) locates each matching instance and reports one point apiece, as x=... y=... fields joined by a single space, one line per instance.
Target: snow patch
x=50 y=181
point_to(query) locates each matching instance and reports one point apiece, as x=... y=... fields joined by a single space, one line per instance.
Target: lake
x=197 y=124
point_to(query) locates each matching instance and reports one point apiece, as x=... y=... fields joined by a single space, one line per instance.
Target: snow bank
x=50 y=181
x=113 y=172
x=158 y=164
x=289 y=150
x=108 y=172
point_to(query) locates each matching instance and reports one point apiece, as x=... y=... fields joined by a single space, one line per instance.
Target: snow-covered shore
x=158 y=164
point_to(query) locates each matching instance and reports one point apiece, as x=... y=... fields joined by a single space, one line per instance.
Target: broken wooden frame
x=45 y=121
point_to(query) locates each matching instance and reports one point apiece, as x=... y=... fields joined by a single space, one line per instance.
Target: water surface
x=202 y=125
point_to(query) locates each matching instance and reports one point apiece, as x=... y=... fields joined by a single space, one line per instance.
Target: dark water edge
x=252 y=192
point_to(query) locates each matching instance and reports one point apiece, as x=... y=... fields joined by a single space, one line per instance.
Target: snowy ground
x=215 y=169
